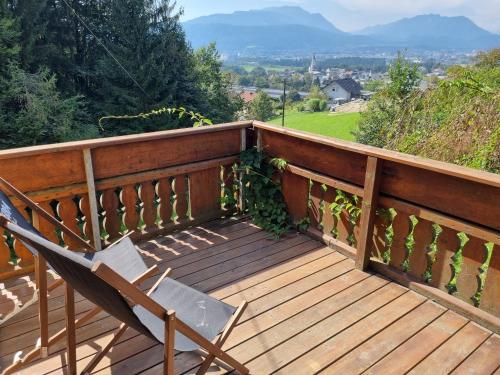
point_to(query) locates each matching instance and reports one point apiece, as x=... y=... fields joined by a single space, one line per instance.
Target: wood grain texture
x=306 y=303
x=205 y=191
x=117 y=160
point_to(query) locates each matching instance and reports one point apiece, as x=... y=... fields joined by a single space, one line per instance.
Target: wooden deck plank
x=484 y=360
x=185 y=244
x=300 y=279
x=449 y=355
x=305 y=258
x=309 y=311
x=322 y=353
x=406 y=356
x=359 y=359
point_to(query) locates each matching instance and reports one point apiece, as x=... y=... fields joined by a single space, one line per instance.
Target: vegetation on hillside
x=65 y=64
x=455 y=120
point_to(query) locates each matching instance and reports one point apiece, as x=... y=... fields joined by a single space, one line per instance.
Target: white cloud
x=399 y=6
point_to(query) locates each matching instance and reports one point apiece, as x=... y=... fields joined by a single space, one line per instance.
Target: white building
x=342 y=89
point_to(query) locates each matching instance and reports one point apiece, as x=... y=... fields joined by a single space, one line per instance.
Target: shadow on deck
x=310 y=312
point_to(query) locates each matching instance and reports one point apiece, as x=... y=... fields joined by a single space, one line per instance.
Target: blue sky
x=350 y=15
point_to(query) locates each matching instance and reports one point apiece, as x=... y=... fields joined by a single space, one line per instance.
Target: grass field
x=338 y=125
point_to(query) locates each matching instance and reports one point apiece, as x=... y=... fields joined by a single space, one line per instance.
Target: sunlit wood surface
x=310 y=312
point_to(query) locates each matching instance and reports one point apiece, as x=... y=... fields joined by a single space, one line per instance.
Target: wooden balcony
x=408 y=281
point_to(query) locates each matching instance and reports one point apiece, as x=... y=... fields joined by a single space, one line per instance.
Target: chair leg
x=99 y=356
x=35 y=353
x=43 y=307
x=70 y=328
x=223 y=337
x=168 y=365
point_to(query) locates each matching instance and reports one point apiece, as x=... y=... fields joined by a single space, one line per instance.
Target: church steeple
x=312 y=67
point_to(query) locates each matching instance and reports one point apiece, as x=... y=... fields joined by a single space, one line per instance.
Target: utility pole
x=284 y=101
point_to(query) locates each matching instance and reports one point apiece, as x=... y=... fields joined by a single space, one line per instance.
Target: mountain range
x=291 y=29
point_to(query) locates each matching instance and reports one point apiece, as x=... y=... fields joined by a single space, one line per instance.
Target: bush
x=317 y=105
x=455 y=120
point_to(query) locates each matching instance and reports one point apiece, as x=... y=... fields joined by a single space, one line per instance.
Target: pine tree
x=146 y=38
x=9 y=39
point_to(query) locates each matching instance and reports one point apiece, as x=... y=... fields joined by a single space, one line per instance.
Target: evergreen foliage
x=55 y=46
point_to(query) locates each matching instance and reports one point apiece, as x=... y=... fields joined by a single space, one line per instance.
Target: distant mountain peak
x=433 y=31
x=271 y=16
x=292 y=29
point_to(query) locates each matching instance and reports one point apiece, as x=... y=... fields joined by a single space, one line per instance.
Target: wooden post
x=168 y=365
x=243 y=147
x=41 y=285
x=259 y=139
x=69 y=295
x=369 y=207
x=94 y=214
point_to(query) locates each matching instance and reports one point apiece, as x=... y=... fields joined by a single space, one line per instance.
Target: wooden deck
x=310 y=312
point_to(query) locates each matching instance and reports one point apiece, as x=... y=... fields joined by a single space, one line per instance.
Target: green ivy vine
x=262 y=194
x=197 y=118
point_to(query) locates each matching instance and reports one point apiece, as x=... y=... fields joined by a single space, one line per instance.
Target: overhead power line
x=105 y=48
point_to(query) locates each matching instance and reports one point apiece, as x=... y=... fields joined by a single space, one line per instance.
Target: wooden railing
x=104 y=189
x=429 y=224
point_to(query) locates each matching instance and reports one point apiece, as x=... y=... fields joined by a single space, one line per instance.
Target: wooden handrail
x=411 y=160
x=124 y=139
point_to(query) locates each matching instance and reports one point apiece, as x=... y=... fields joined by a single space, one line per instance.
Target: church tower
x=312 y=67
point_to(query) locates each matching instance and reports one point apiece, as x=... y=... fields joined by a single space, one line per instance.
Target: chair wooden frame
x=43 y=289
x=172 y=323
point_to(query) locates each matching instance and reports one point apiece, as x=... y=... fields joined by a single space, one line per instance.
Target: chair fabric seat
x=122 y=257
x=206 y=315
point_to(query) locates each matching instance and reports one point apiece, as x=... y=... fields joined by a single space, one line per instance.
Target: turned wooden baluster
x=109 y=203
x=164 y=191
x=4 y=252
x=87 y=223
x=148 y=210
x=46 y=227
x=22 y=252
x=128 y=197
x=68 y=212
x=181 y=202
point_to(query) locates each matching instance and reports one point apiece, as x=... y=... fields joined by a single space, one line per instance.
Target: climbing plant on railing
x=262 y=194
x=197 y=118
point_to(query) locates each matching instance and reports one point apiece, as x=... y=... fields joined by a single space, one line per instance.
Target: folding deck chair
x=178 y=316
x=121 y=256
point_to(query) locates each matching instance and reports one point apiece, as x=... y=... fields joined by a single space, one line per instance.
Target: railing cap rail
x=112 y=141
x=414 y=161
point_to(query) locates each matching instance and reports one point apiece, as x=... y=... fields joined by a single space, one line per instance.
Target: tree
x=9 y=39
x=404 y=77
x=261 y=108
x=220 y=105
x=32 y=111
x=147 y=39
x=376 y=123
